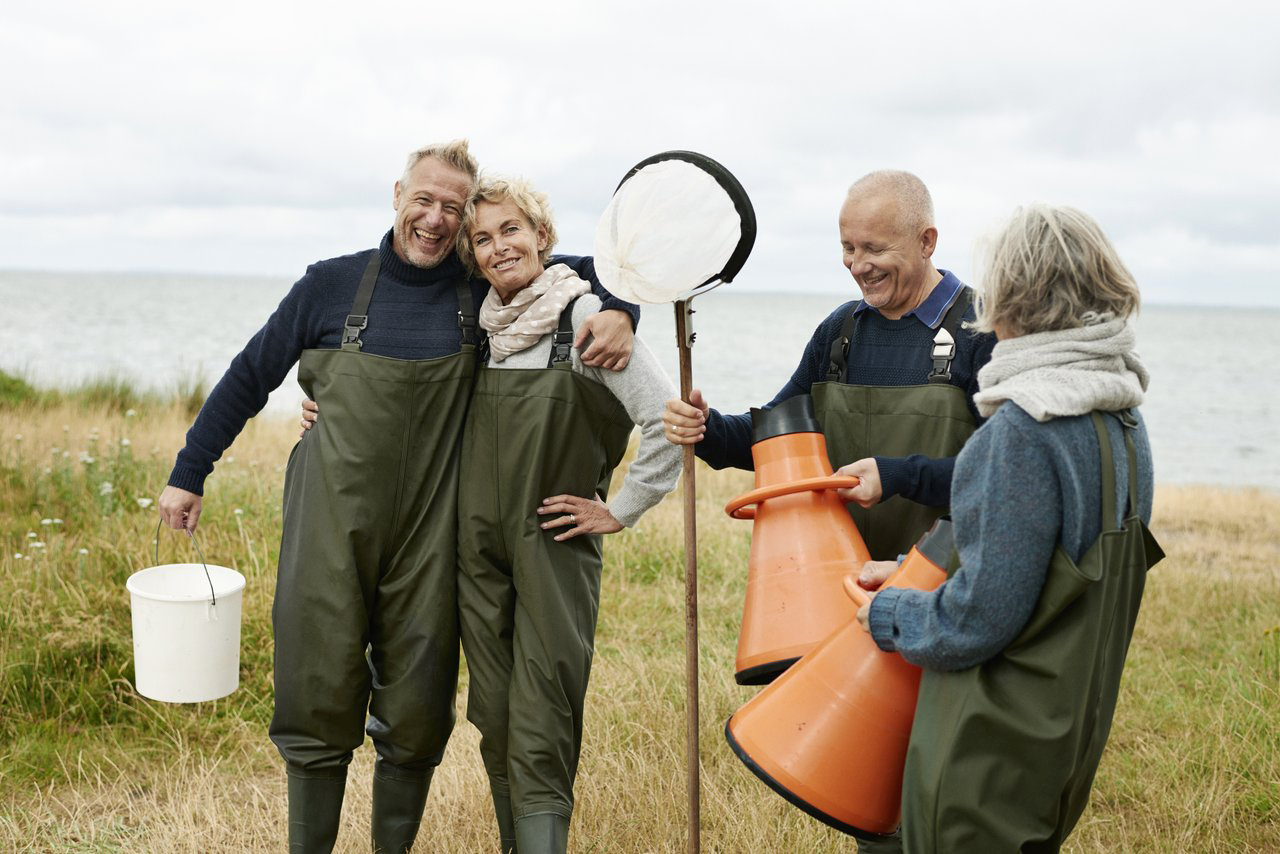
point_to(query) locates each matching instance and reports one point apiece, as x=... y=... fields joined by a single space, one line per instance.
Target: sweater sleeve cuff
x=895 y=476
x=612 y=303
x=184 y=477
x=626 y=512
x=880 y=619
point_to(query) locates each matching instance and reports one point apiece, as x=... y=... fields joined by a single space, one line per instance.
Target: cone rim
x=763 y=674
x=792 y=798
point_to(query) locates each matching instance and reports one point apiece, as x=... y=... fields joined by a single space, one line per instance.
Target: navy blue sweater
x=884 y=352
x=413 y=315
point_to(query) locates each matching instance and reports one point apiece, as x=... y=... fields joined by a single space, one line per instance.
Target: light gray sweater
x=643 y=389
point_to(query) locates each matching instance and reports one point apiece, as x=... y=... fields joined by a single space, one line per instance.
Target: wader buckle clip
x=944 y=350
x=467 y=323
x=561 y=346
x=351 y=330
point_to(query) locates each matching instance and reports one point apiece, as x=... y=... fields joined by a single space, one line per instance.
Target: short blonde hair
x=1052 y=268
x=532 y=204
x=454 y=153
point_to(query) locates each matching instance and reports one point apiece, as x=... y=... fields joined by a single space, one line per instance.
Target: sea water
x=1211 y=409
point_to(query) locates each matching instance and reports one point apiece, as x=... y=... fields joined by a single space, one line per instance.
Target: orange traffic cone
x=830 y=735
x=802 y=544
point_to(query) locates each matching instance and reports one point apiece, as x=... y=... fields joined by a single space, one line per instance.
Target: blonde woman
x=1024 y=644
x=543 y=436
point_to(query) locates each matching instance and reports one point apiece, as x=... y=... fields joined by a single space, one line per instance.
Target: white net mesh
x=668 y=229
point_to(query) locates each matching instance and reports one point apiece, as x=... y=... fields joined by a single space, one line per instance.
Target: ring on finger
x=573 y=518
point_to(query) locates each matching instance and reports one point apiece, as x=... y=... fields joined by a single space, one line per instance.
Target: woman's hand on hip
x=310 y=412
x=580 y=515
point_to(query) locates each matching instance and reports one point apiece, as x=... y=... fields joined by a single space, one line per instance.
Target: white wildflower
x=84 y=551
x=86 y=458
x=238 y=512
x=32 y=535
x=17 y=555
x=66 y=454
x=105 y=488
x=144 y=503
x=17 y=438
x=37 y=545
x=230 y=460
x=124 y=443
x=57 y=521
x=46 y=521
x=129 y=413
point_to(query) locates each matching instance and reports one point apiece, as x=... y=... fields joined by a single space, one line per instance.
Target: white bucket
x=185 y=648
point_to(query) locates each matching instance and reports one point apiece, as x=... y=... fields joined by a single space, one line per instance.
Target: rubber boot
x=398 y=800
x=542 y=833
x=315 y=808
x=506 y=823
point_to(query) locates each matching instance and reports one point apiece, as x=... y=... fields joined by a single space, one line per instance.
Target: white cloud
x=247 y=136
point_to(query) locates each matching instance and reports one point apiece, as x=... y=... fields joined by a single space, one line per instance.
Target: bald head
x=907 y=193
x=888 y=238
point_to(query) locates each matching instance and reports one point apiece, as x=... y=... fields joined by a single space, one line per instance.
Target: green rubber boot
x=542 y=833
x=397 y=810
x=506 y=823
x=315 y=808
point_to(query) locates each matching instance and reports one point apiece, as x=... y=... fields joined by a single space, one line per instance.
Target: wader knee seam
x=401 y=775
x=544 y=809
x=335 y=774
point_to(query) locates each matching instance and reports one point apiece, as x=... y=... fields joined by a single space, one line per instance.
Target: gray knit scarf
x=1065 y=372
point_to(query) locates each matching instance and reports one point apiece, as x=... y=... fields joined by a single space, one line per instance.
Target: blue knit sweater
x=413 y=315
x=884 y=352
x=1022 y=488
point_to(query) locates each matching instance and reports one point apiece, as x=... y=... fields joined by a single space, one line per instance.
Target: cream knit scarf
x=533 y=311
x=1065 y=372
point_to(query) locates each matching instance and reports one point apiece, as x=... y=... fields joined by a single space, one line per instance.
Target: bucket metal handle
x=192 y=535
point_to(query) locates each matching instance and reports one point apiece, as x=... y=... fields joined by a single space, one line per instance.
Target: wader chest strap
x=838 y=359
x=562 y=339
x=466 y=313
x=1127 y=423
x=358 y=319
x=944 y=343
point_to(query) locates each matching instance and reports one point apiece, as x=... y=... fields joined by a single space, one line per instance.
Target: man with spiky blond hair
x=365 y=610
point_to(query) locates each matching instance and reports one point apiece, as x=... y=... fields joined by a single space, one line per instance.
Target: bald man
x=892 y=374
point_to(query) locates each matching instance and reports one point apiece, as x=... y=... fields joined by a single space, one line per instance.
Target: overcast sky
x=258 y=137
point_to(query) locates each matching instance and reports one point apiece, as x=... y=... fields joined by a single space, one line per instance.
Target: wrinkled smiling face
x=890 y=263
x=506 y=246
x=428 y=203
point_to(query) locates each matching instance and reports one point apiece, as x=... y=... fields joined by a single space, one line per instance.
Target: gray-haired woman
x=1024 y=644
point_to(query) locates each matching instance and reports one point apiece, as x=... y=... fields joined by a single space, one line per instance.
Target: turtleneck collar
x=450 y=269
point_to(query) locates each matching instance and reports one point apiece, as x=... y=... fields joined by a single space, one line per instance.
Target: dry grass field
x=87 y=765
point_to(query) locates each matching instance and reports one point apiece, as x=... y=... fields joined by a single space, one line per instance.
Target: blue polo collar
x=935 y=305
